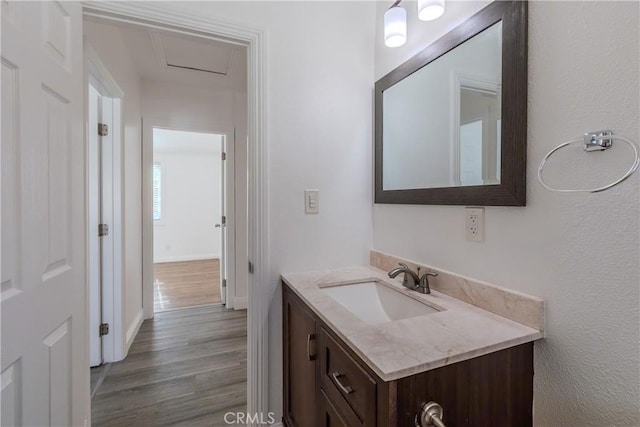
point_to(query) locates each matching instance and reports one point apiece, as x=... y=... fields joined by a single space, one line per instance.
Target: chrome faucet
x=412 y=279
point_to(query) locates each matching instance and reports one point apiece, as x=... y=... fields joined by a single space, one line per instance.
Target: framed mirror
x=451 y=122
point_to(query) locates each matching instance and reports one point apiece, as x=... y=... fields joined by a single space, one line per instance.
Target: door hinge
x=224 y=220
x=103 y=130
x=224 y=283
x=104 y=329
x=250 y=267
x=224 y=156
x=103 y=230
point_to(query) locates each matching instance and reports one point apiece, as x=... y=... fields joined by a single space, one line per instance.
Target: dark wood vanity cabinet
x=300 y=377
x=326 y=384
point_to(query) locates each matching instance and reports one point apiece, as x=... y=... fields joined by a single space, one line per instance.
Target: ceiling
x=172 y=57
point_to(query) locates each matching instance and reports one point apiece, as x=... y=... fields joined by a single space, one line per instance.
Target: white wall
x=191 y=197
x=111 y=49
x=579 y=252
x=319 y=95
x=188 y=104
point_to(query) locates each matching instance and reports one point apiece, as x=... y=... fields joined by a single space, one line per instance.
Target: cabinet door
x=300 y=371
x=491 y=390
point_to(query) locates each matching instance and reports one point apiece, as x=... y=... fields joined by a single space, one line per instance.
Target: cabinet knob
x=430 y=415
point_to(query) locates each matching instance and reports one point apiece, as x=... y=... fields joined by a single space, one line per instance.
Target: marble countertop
x=400 y=348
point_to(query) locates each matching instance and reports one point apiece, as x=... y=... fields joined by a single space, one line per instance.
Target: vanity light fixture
x=395 y=20
x=428 y=10
x=395 y=25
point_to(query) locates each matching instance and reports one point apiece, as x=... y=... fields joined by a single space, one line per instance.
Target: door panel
x=10 y=282
x=44 y=349
x=56 y=179
x=10 y=379
x=58 y=346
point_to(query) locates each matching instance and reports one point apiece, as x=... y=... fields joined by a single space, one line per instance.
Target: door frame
x=167 y=17
x=96 y=73
x=229 y=143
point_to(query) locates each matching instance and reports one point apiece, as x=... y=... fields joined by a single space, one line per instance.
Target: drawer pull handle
x=430 y=415
x=345 y=388
x=310 y=337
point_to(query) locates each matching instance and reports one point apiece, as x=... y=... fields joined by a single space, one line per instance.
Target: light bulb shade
x=428 y=10
x=395 y=26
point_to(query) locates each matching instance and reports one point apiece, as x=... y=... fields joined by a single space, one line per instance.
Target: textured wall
x=580 y=252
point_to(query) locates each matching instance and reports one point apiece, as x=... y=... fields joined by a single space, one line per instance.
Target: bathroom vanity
x=359 y=349
x=345 y=367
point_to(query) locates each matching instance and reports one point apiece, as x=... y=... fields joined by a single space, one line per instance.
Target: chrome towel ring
x=593 y=141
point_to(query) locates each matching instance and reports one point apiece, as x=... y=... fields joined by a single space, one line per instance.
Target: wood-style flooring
x=185 y=368
x=186 y=284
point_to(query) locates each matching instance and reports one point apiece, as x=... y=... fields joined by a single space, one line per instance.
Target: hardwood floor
x=185 y=368
x=186 y=284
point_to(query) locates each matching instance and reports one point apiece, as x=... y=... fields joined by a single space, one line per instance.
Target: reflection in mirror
x=441 y=124
x=478 y=156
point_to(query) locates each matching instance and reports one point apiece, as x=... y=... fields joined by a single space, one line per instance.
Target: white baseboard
x=240 y=303
x=133 y=330
x=180 y=258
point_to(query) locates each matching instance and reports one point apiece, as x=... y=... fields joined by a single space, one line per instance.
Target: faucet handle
x=424 y=281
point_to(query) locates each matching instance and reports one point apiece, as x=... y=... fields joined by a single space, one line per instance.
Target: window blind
x=157 y=192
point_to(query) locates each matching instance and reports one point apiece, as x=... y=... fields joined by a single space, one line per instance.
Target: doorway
x=253 y=175
x=180 y=146
x=189 y=219
x=479 y=136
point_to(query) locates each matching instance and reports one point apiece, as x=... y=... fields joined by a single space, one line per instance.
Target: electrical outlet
x=474 y=224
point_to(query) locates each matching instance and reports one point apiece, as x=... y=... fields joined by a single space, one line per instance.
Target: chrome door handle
x=430 y=415
x=345 y=388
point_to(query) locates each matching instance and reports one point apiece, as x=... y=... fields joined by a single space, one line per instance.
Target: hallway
x=185 y=367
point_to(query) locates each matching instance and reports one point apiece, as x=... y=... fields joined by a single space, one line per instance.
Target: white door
x=223 y=223
x=43 y=321
x=471 y=153
x=95 y=212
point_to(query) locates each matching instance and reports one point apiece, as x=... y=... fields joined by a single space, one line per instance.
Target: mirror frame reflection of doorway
x=192 y=188
x=482 y=86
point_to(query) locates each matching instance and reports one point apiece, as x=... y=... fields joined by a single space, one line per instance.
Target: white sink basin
x=376 y=303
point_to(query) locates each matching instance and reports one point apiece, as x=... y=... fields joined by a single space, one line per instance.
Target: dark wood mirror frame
x=512 y=188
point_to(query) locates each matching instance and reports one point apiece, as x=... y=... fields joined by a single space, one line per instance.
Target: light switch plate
x=311 y=201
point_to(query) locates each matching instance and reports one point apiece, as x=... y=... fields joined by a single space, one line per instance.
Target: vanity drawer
x=330 y=416
x=345 y=381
